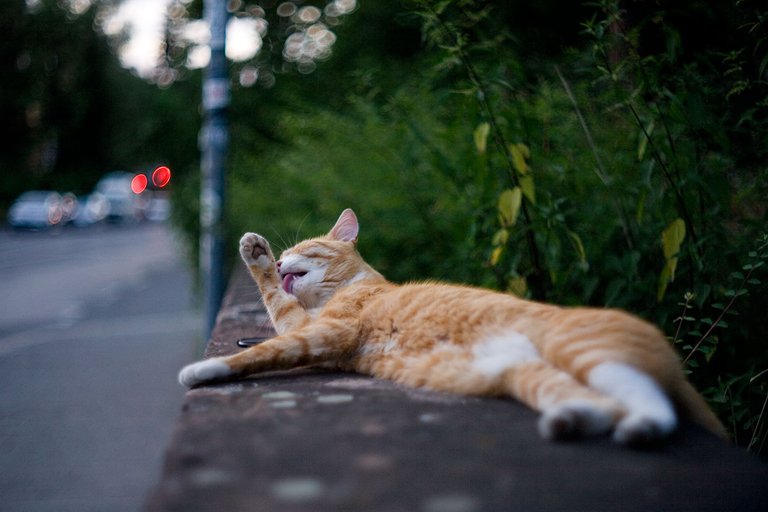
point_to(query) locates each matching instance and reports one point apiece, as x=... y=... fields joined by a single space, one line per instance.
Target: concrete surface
x=308 y=440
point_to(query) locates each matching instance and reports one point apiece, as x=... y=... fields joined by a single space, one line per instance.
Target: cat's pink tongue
x=288 y=282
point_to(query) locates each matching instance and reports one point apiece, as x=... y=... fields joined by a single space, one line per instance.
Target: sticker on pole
x=215 y=93
x=210 y=207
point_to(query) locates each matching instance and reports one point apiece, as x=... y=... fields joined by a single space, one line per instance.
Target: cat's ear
x=346 y=227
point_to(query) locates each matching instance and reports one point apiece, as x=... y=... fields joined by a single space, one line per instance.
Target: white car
x=124 y=205
x=36 y=209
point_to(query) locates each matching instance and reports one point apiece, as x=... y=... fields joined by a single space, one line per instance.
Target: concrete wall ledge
x=316 y=440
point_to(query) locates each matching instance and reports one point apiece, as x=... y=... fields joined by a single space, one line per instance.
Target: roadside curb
x=318 y=440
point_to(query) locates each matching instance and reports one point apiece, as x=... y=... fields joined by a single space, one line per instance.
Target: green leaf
x=708 y=355
x=481 y=137
x=509 y=206
x=520 y=154
x=501 y=237
x=672 y=238
x=643 y=144
x=579 y=248
x=529 y=191
x=517 y=286
x=496 y=255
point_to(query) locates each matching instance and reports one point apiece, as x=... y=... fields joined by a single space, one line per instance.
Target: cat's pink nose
x=278 y=265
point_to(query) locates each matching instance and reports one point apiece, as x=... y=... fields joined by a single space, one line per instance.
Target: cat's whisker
x=284 y=243
x=297 y=234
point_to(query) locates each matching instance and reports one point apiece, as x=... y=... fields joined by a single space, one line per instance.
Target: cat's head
x=314 y=269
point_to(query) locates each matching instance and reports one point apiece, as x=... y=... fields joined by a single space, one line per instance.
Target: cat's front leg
x=256 y=252
x=325 y=342
x=204 y=371
x=284 y=309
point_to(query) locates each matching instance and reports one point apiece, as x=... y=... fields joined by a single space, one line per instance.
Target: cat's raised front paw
x=204 y=371
x=255 y=250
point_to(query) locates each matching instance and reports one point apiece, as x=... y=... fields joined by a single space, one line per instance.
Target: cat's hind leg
x=569 y=409
x=650 y=413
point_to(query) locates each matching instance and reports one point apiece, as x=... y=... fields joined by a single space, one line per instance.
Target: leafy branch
x=457 y=45
x=758 y=256
x=615 y=22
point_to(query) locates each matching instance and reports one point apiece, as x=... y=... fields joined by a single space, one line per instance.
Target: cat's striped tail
x=692 y=405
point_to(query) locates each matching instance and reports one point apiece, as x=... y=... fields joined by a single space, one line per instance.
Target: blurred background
x=606 y=153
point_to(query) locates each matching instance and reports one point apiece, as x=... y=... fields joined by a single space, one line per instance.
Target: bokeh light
x=161 y=176
x=162 y=38
x=139 y=183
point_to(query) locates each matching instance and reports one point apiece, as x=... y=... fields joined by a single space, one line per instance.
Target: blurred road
x=94 y=325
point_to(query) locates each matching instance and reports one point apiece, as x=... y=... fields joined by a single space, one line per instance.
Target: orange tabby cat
x=588 y=371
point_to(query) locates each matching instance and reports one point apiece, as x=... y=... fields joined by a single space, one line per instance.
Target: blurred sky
x=146 y=21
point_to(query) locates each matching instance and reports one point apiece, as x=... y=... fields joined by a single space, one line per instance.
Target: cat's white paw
x=650 y=414
x=644 y=429
x=255 y=250
x=204 y=371
x=573 y=419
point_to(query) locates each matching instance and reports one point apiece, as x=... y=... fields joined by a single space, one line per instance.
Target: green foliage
x=369 y=158
x=739 y=396
x=625 y=171
x=690 y=144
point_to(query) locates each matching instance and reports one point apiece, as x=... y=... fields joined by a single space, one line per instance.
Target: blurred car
x=36 y=209
x=69 y=207
x=159 y=209
x=124 y=205
x=93 y=209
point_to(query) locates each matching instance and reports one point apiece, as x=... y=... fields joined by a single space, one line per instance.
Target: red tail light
x=139 y=183
x=161 y=177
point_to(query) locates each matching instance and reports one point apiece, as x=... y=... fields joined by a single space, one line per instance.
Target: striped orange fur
x=588 y=371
